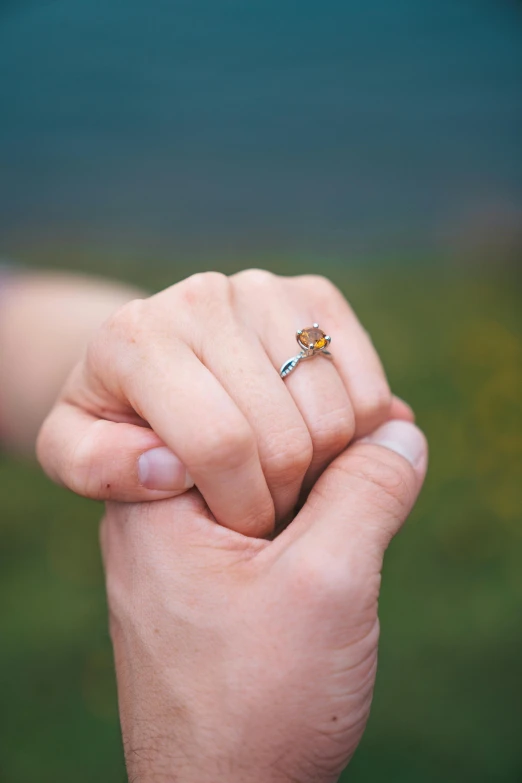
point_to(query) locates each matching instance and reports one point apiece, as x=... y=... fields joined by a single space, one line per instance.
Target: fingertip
x=405 y=439
x=401 y=410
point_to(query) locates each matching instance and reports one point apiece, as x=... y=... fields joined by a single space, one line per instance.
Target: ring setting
x=312 y=341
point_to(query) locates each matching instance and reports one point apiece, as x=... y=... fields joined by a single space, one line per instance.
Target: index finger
x=190 y=411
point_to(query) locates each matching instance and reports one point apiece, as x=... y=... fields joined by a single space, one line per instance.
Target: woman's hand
x=183 y=388
x=240 y=659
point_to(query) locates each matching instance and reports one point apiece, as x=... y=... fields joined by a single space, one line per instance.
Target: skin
x=189 y=377
x=46 y=322
x=238 y=658
x=244 y=660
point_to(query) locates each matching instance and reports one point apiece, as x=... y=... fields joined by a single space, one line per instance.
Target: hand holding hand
x=183 y=388
x=245 y=660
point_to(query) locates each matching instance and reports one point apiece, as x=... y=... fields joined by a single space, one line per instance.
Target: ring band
x=313 y=342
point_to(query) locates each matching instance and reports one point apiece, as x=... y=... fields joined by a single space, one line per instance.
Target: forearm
x=46 y=320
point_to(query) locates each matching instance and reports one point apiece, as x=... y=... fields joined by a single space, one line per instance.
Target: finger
x=249 y=377
x=401 y=410
x=360 y=501
x=315 y=386
x=323 y=401
x=354 y=355
x=106 y=460
x=199 y=422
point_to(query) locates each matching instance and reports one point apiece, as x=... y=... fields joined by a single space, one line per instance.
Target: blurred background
x=377 y=143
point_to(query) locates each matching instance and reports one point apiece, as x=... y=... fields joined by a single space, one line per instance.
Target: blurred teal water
x=202 y=127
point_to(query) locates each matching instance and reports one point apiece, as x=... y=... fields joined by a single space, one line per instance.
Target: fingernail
x=402 y=437
x=160 y=469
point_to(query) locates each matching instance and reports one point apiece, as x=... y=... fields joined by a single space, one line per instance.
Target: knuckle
x=256 y=278
x=322 y=287
x=384 y=483
x=324 y=294
x=127 y=319
x=318 y=578
x=373 y=408
x=124 y=328
x=291 y=459
x=229 y=446
x=199 y=288
x=333 y=431
x=206 y=296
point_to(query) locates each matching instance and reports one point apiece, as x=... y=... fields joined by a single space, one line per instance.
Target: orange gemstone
x=312 y=336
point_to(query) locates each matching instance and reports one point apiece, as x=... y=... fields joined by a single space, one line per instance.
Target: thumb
x=362 y=499
x=108 y=460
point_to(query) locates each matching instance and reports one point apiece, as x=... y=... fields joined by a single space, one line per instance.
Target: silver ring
x=313 y=342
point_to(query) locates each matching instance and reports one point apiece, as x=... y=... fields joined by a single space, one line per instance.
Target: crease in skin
x=80 y=393
x=327 y=453
x=270 y=452
x=197 y=316
x=194 y=520
x=245 y=548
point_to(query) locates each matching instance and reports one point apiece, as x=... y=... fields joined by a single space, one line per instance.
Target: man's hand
x=241 y=659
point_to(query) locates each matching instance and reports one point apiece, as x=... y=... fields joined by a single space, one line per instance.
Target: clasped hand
x=239 y=658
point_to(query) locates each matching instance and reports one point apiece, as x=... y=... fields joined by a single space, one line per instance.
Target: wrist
x=178 y=749
x=204 y=742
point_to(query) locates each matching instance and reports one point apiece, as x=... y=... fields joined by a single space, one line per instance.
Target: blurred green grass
x=448 y=702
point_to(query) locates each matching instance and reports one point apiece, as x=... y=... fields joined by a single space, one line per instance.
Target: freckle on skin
x=334 y=717
x=108 y=486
